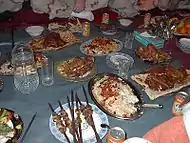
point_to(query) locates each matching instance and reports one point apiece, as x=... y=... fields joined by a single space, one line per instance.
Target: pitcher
x=26 y=77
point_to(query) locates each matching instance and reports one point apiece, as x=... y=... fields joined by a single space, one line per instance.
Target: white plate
x=185 y=42
x=89 y=42
x=136 y=140
x=34 y=30
x=114 y=58
x=87 y=131
x=183 y=48
x=108 y=33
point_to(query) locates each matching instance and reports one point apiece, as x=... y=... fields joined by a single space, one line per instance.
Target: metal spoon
x=105 y=126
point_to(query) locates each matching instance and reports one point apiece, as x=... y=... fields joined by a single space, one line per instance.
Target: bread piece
x=140 y=79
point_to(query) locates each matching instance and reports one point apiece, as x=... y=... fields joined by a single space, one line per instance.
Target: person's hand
x=79 y=6
x=146 y=4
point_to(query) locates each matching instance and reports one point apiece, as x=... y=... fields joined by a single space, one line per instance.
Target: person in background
x=10 y=5
x=131 y=8
x=175 y=130
x=64 y=8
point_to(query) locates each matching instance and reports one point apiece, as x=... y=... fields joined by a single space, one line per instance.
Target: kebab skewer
x=59 y=123
x=78 y=119
x=74 y=125
x=87 y=111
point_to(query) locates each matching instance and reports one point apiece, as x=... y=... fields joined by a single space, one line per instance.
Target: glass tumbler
x=128 y=42
x=47 y=78
x=123 y=68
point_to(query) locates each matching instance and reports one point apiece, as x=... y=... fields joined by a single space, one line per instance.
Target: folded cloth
x=171 y=131
x=84 y=15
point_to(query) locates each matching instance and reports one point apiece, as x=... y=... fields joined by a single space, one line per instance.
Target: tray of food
x=11 y=126
x=151 y=54
x=54 y=41
x=6 y=69
x=101 y=46
x=183 y=28
x=162 y=80
x=76 y=69
x=115 y=96
x=60 y=122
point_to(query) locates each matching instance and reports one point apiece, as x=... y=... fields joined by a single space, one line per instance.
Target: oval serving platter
x=75 y=79
x=89 y=42
x=135 y=91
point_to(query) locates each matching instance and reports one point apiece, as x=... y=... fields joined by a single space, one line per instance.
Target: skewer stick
x=73 y=121
x=91 y=118
x=78 y=118
x=64 y=133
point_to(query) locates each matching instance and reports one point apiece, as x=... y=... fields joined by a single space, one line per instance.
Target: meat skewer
x=73 y=116
x=57 y=118
x=78 y=112
x=65 y=116
x=87 y=112
x=74 y=129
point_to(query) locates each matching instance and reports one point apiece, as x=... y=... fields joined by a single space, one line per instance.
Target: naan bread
x=140 y=79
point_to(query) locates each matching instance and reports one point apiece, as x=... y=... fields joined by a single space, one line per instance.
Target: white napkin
x=186 y=118
x=136 y=140
x=146 y=34
x=84 y=14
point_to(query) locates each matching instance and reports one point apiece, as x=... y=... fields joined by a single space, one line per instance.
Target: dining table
x=27 y=105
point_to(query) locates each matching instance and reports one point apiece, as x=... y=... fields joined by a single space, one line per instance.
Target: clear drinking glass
x=123 y=69
x=128 y=42
x=47 y=73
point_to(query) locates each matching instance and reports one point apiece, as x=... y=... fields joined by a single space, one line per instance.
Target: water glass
x=128 y=42
x=47 y=73
x=123 y=69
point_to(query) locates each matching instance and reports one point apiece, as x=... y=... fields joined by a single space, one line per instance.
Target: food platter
x=100 y=47
x=136 y=98
x=74 y=68
x=183 y=28
x=13 y=124
x=54 y=41
x=152 y=55
x=98 y=116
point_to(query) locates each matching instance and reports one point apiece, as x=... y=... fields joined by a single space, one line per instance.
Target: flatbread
x=140 y=79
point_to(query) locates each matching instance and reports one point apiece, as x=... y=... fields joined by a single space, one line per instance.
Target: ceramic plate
x=91 y=74
x=114 y=58
x=16 y=123
x=89 y=42
x=136 y=140
x=87 y=131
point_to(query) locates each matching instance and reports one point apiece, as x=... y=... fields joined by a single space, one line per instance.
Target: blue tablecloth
x=27 y=105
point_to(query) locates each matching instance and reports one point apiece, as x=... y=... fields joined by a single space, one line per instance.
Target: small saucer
x=114 y=58
x=109 y=32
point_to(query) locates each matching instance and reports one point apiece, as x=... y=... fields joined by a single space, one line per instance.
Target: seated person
x=130 y=8
x=175 y=130
x=64 y=8
x=10 y=5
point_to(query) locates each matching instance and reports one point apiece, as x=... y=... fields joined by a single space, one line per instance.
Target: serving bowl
x=34 y=30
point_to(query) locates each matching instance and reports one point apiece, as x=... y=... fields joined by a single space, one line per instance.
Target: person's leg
x=79 y=5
